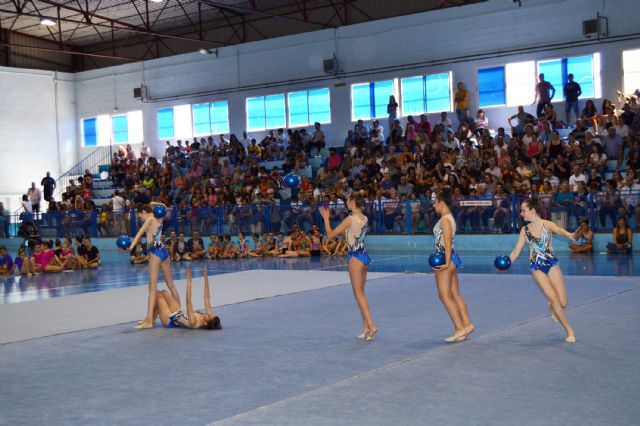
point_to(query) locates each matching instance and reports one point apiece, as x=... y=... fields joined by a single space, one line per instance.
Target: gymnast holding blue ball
x=445 y=263
x=151 y=216
x=544 y=264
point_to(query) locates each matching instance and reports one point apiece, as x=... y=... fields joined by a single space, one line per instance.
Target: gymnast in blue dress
x=447 y=275
x=355 y=227
x=158 y=259
x=544 y=265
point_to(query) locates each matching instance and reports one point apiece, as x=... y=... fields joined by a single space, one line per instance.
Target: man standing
x=49 y=185
x=118 y=206
x=35 y=196
x=544 y=93
x=572 y=92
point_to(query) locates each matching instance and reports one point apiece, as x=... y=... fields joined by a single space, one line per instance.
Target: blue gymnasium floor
x=294 y=359
x=116 y=272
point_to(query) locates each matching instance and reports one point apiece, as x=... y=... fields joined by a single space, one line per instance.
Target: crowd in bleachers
x=399 y=169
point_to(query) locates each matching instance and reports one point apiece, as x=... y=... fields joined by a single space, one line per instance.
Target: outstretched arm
x=190 y=311
x=519 y=245
x=141 y=232
x=560 y=231
x=207 y=296
x=332 y=233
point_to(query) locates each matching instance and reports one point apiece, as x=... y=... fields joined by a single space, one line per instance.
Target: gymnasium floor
x=288 y=353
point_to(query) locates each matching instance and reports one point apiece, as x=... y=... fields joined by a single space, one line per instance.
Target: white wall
x=37 y=128
x=455 y=39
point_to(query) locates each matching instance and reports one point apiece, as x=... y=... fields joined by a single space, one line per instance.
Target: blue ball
x=159 y=211
x=502 y=262
x=123 y=242
x=437 y=259
x=291 y=180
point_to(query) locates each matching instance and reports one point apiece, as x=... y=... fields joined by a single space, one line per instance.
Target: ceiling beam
x=243 y=11
x=124 y=25
x=70 y=52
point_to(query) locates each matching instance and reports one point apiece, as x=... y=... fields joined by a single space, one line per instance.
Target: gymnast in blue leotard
x=355 y=227
x=544 y=265
x=447 y=274
x=158 y=259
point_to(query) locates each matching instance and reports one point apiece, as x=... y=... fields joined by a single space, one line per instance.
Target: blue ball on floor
x=502 y=262
x=437 y=259
x=291 y=180
x=123 y=242
x=159 y=211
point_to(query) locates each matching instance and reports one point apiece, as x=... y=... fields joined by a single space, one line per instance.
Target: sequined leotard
x=541 y=252
x=156 y=246
x=355 y=240
x=438 y=235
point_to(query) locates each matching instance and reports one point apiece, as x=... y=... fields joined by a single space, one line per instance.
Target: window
x=182 y=121
x=104 y=130
x=521 y=84
x=211 y=118
x=430 y=93
x=631 y=69
x=165 y=123
x=265 y=112
x=89 y=132
x=370 y=100
x=120 y=129
x=219 y=112
x=308 y=107
x=491 y=87
x=582 y=68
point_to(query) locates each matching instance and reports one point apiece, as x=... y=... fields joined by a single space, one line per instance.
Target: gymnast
x=544 y=264
x=158 y=259
x=168 y=309
x=355 y=227
x=447 y=274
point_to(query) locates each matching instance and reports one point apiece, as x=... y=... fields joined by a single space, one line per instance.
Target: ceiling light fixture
x=48 y=22
x=209 y=52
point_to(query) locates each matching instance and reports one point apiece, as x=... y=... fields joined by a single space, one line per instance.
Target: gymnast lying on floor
x=168 y=309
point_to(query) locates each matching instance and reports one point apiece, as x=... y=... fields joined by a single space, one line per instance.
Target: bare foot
x=458 y=336
x=144 y=324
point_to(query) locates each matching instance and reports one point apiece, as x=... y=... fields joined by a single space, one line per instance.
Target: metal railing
x=92 y=162
x=494 y=214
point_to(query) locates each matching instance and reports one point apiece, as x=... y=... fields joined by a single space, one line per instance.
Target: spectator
x=5 y=220
x=584 y=239
x=392 y=110
x=630 y=196
x=49 y=185
x=118 y=206
x=589 y=115
x=622 y=238
x=613 y=144
x=461 y=100
x=35 y=196
x=544 y=94
x=572 y=92
x=576 y=177
x=88 y=254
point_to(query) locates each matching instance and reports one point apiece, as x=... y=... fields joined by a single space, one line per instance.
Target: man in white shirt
x=119 y=206
x=576 y=177
x=553 y=180
x=493 y=169
x=377 y=126
x=246 y=140
x=630 y=196
x=35 y=195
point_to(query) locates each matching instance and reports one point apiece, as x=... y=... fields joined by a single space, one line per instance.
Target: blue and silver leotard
x=355 y=240
x=540 y=251
x=156 y=246
x=438 y=234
